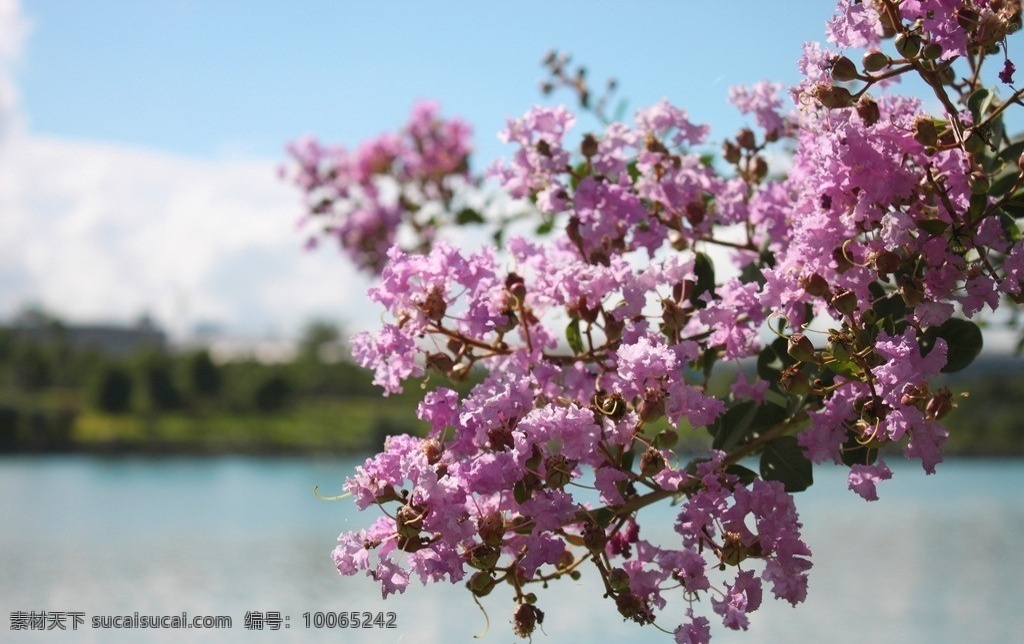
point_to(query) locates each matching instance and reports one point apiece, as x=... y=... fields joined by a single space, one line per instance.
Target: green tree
x=114 y=390
x=204 y=376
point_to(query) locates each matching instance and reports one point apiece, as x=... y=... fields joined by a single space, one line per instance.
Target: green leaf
x=963 y=342
x=773 y=359
x=545 y=227
x=1004 y=182
x=747 y=475
x=1010 y=226
x=933 y=226
x=745 y=422
x=572 y=334
x=705 y=271
x=978 y=103
x=468 y=216
x=1011 y=153
x=783 y=460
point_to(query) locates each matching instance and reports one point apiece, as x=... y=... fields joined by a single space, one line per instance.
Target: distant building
x=108 y=339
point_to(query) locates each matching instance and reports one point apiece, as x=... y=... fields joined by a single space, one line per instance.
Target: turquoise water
x=937 y=559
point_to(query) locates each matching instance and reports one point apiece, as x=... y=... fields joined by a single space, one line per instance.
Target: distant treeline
x=56 y=398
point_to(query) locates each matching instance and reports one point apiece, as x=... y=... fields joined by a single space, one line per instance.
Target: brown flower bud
x=632 y=607
x=483 y=556
x=874 y=61
x=867 y=110
x=434 y=306
x=759 y=170
x=525 y=618
x=491 y=528
x=844 y=301
x=925 y=131
x=745 y=139
x=558 y=471
x=795 y=381
x=932 y=51
x=843 y=70
x=618 y=580
x=594 y=537
x=589 y=145
x=652 y=406
x=732 y=152
x=432 y=449
x=651 y=462
x=409 y=520
x=815 y=285
x=832 y=96
x=908 y=44
x=980 y=183
x=800 y=348
x=940 y=405
x=481 y=583
x=886 y=262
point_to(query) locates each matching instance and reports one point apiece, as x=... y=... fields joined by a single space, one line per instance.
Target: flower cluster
x=849 y=281
x=363 y=197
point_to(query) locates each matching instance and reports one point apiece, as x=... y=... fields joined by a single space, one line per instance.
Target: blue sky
x=140 y=139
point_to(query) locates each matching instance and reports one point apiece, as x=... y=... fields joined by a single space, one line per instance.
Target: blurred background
x=174 y=372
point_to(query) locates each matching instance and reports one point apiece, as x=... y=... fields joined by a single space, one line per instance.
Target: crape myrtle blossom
x=363 y=198
x=561 y=371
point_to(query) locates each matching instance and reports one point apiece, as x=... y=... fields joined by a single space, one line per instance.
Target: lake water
x=937 y=559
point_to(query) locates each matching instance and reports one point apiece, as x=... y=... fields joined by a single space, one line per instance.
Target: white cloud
x=13 y=29
x=103 y=232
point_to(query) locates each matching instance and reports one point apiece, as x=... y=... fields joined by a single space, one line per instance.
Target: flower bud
x=867 y=110
x=481 y=583
x=483 y=556
x=975 y=143
x=800 y=348
x=932 y=51
x=745 y=139
x=815 y=285
x=632 y=607
x=696 y=212
x=940 y=405
x=442 y=362
x=844 y=301
x=875 y=61
x=409 y=521
x=432 y=449
x=886 y=262
x=925 y=132
x=760 y=169
x=832 y=96
x=652 y=406
x=733 y=550
x=589 y=146
x=732 y=152
x=618 y=580
x=543 y=148
x=558 y=471
x=651 y=462
x=594 y=537
x=980 y=183
x=525 y=618
x=908 y=44
x=491 y=528
x=795 y=381
x=843 y=70
x=434 y=306
x=515 y=285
